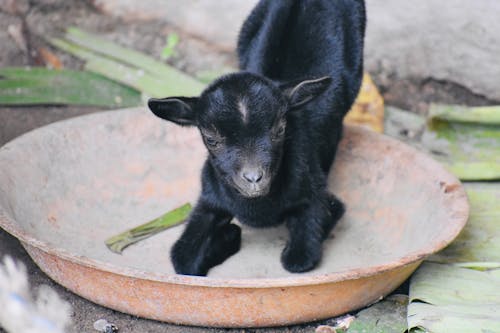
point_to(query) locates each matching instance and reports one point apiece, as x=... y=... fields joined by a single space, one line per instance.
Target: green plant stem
x=177 y=216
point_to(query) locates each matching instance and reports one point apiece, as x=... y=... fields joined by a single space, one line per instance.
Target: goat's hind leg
x=208 y=240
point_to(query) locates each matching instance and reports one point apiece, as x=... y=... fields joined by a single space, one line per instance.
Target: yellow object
x=368 y=109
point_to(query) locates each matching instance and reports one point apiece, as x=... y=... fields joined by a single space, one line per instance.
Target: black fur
x=272 y=131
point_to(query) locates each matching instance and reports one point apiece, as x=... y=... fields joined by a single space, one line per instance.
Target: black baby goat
x=272 y=131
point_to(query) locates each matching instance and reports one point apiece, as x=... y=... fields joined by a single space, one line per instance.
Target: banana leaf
x=135 y=78
x=445 y=298
x=41 y=86
x=478 y=245
x=466 y=140
x=138 y=70
x=458 y=289
x=486 y=115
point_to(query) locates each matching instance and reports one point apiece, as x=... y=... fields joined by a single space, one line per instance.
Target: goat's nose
x=253 y=176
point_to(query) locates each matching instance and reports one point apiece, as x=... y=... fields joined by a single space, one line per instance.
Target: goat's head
x=242 y=118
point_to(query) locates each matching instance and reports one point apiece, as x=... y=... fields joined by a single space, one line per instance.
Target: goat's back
x=300 y=39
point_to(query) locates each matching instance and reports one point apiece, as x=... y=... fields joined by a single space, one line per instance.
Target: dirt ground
x=44 y=18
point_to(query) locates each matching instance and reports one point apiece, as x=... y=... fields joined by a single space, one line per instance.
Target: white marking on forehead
x=242 y=107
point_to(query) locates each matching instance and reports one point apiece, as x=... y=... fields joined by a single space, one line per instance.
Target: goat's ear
x=300 y=93
x=180 y=110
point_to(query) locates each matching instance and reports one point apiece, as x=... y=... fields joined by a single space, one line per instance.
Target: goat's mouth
x=252 y=190
x=254 y=194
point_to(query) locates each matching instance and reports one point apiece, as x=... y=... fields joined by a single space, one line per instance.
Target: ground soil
x=48 y=18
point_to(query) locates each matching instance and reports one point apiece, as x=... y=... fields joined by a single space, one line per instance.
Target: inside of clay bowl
x=76 y=183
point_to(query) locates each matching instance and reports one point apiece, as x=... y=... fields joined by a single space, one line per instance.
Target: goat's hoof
x=184 y=260
x=299 y=259
x=337 y=207
x=228 y=240
x=225 y=242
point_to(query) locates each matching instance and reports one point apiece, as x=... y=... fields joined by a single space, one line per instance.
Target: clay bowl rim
x=460 y=208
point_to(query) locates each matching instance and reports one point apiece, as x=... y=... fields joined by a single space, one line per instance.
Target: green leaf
x=387 y=316
x=73 y=49
x=177 y=216
x=471 y=151
x=464 y=295
x=466 y=140
x=479 y=265
x=169 y=49
x=168 y=75
x=37 y=85
x=441 y=284
x=448 y=319
x=487 y=115
x=133 y=77
x=445 y=298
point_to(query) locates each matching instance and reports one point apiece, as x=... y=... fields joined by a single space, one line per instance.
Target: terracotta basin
x=67 y=187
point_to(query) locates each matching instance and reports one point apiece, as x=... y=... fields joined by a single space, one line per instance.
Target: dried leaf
x=325 y=329
x=368 y=109
x=49 y=58
x=344 y=322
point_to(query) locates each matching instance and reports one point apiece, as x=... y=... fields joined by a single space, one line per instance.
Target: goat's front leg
x=208 y=239
x=308 y=228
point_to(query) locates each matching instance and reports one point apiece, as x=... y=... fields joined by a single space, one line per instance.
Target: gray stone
x=455 y=40
x=217 y=21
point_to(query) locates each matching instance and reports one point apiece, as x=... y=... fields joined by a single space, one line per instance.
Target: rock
x=103 y=326
x=15 y=7
x=455 y=40
x=214 y=21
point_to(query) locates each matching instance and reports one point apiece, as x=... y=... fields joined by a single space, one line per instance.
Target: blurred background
x=417 y=53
